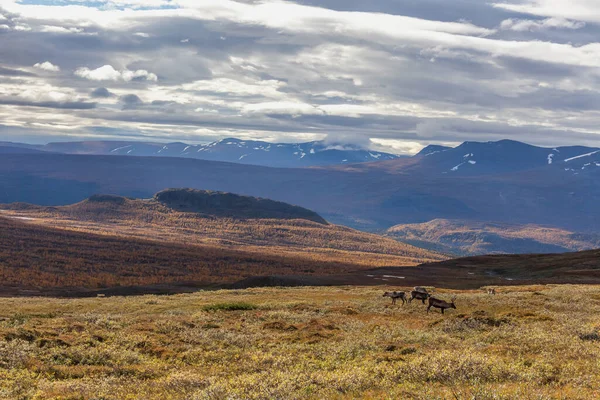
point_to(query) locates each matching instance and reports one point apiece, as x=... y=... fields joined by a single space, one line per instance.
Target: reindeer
x=419 y=293
x=396 y=295
x=441 y=304
x=491 y=291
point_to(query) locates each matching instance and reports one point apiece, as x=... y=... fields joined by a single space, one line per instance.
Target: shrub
x=593 y=336
x=233 y=306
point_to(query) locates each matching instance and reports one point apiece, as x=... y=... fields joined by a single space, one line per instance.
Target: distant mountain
x=5 y=149
x=232 y=150
x=432 y=149
x=476 y=238
x=509 y=182
x=474 y=158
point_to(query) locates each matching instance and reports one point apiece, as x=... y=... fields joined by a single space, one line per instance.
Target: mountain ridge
x=253 y=152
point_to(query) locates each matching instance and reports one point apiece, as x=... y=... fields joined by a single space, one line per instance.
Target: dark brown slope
x=37 y=260
x=462 y=273
x=230 y=205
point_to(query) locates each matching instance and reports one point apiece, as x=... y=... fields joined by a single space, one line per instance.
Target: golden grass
x=303 y=343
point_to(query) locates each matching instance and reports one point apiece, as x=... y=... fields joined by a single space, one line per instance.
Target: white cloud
x=60 y=29
x=283 y=107
x=523 y=25
x=247 y=87
x=108 y=73
x=47 y=66
x=22 y=27
x=580 y=10
x=362 y=73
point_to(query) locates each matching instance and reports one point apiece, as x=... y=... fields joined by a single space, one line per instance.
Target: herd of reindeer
x=421 y=293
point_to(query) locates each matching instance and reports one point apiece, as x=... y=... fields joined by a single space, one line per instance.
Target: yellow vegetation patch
x=303 y=343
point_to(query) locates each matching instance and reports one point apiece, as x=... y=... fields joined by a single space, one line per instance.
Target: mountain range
x=504 y=182
x=475 y=158
x=288 y=155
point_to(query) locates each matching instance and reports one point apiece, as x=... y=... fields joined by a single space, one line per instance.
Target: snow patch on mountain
x=120 y=148
x=583 y=155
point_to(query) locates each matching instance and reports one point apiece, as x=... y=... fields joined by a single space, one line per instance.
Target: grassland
x=537 y=342
x=41 y=260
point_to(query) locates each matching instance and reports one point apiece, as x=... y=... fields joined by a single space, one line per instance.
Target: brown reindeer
x=419 y=293
x=491 y=291
x=441 y=304
x=419 y=296
x=396 y=295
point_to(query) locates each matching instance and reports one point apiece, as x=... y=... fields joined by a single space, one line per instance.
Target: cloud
x=131 y=101
x=285 y=107
x=579 y=10
x=101 y=93
x=47 y=66
x=14 y=72
x=108 y=73
x=68 y=105
x=523 y=25
x=372 y=74
x=61 y=29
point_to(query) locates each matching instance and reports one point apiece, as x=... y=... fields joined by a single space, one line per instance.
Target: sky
x=391 y=75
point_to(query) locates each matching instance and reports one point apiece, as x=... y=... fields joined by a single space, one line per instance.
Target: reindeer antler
x=453 y=299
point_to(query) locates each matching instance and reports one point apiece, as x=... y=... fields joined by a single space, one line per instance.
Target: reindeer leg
x=442 y=310
x=428 y=307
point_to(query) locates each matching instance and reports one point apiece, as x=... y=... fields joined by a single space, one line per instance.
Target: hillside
x=38 y=260
x=231 y=205
x=475 y=238
x=165 y=217
x=577 y=267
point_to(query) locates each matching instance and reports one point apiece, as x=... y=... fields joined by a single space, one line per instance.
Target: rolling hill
x=460 y=273
x=221 y=219
x=463 y=238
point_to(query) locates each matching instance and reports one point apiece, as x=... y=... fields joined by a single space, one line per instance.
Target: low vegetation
x=537 y=342
x=41 y=260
